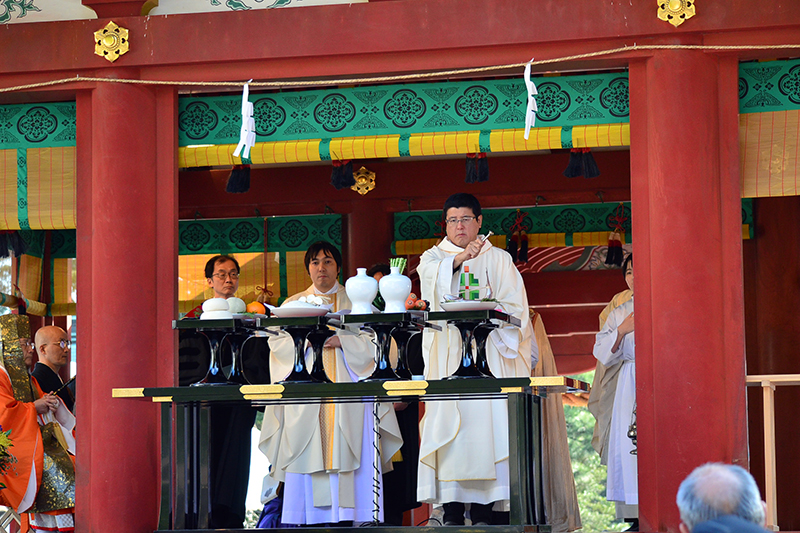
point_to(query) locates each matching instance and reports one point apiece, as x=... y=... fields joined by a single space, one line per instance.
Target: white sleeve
x=534 y=351
x=606 y=338
x=435 y=277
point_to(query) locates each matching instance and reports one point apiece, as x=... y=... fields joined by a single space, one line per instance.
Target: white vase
x=361 y=289
x=395 y=289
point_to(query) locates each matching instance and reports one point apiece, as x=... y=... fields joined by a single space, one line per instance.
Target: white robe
x=330 y=486
x=458 y=463
x=622 y=472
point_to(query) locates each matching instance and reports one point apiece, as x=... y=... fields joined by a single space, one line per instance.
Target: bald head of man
x=714 y=490
x=52 y=347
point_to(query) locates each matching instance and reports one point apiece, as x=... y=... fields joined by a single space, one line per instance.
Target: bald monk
x=42 y=481
x=53 y=346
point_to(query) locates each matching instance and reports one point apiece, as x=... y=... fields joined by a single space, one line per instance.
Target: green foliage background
x=597 y=513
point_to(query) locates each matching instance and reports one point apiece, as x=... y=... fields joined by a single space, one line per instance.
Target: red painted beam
x=382 y=37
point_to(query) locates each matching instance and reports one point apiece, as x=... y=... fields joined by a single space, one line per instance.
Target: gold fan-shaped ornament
x=675 y=11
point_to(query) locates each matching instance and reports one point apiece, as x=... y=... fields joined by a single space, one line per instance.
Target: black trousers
x=454 y=513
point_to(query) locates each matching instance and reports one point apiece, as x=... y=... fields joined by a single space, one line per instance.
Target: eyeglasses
x=27 y=343
x=222 y=275
x=62 y=343
x=463 y=220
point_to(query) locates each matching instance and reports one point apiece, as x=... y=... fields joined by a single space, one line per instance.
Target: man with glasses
x=231 y=425
x=52 y=345
x=464 y=448
x=222 y=275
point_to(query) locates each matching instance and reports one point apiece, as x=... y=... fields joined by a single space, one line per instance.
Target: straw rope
x=401 y=77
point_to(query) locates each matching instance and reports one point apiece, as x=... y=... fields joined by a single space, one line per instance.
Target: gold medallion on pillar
x=111 y=42
x=365 y=181
x=675 y=11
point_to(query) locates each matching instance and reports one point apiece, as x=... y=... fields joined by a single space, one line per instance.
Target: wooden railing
x=768 y=382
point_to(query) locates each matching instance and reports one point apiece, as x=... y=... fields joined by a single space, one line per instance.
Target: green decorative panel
x=62 y=244
x=34 y=242
x=406 y=109
x=296 y=234
x=222 y=236
x=769 y=86
x=579 y=218
x=37 y=126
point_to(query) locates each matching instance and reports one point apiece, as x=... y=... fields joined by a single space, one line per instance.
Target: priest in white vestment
x=324 y=452
x=464 y=444
x=614 y=344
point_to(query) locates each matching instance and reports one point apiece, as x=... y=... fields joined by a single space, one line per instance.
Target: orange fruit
x=257 y=308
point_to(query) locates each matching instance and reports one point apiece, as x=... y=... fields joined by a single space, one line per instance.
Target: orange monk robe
x=23 y=477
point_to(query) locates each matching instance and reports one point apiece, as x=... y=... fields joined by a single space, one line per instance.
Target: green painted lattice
x=296 y=234
x=37 y=125
x=563 y=101
x=578 y=218
x=221 y=236
x=406 y=109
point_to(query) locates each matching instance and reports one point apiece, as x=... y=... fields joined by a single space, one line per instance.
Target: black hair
x=323 y=246
x=462 y=199
x=383 y=268
x=220 y=259
x=628 y=260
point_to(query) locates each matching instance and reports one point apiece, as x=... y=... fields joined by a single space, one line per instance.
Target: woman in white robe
x=615 y=343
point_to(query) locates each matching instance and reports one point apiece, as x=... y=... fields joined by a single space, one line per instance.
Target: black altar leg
x=467 y=369
x=203 y=464
x=383 y=367
x=518 y=464
x=401 y=334
x=537 y=479
x=299 y=373
x=165 y=511
x=481 y=335
x=215 y=375
x=237 y=340
x=181 y=466
x=316 y=339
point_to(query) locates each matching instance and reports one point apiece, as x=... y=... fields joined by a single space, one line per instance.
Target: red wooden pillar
x=689 y=317
x=368 y=237
x=127 y=294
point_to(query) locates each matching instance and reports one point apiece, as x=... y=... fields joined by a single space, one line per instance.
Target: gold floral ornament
x=365 y=181
x=111 y=42
x=675 y=11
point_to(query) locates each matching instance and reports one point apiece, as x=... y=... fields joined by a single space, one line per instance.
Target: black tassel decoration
x=477 y=168
x=614 y=255
x=511 y=246
x=239 y=179
x=523 y=247
x=575 y=166
x=472 y=170
x=590 y=169
x=342 y=174
x=11 y=242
